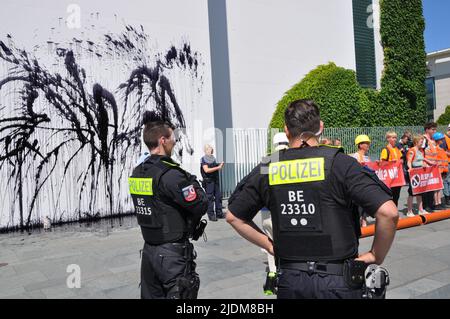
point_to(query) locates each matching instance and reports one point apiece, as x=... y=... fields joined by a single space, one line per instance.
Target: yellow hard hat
x=361 y=139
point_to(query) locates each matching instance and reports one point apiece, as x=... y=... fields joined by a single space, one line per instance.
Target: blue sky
x=437 y=19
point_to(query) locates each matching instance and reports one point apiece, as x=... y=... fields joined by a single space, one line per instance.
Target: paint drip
x=63 y=132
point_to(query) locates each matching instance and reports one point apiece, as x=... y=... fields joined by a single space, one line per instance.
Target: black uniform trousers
x=168 y=272
x=428 y=201
x=214 y=195
x=299 y=284
x=396 y=194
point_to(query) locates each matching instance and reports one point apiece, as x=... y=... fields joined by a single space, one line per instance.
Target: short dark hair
x=302 y=116
x=430 y=125
x=154 y=128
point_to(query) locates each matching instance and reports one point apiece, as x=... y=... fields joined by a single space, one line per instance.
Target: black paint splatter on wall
x=61 y=120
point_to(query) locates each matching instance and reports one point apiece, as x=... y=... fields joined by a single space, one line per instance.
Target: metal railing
x=250 y=145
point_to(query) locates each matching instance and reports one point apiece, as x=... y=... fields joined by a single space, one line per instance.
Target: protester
x=280 y=142
x=415 y=159
x=446 y=181
x=392 y=153
x=431 y=155
x=407 y=139
x=404 y=146
x=363 y=144
x=337 y=142
x=326 y=141
x=442 y=162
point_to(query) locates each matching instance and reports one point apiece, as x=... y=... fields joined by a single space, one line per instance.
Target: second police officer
x=310 y=190
x=169 y=204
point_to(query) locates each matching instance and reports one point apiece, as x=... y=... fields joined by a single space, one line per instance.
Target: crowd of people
x=431 y=148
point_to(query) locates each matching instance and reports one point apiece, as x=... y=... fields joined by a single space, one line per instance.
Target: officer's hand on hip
x=271 y=250
x=368 y=258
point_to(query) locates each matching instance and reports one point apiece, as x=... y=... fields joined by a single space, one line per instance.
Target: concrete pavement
x=36 y=265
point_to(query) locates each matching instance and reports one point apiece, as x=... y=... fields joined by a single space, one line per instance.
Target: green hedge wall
x=403 y=94
x=343 y=102
x=444 y=119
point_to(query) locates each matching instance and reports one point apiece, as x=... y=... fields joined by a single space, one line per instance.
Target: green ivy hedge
x=336 y=90
x=402 y=99
x=403 y=94
x=444 y=119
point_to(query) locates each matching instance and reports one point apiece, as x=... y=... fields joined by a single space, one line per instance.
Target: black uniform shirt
x=183 y=189
x=350 y=182
x=214 y=175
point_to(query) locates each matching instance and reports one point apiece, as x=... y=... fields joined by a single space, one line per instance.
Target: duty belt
x=312 y=267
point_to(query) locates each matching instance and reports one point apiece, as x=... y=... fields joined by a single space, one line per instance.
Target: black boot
x=447 y=201
x=221 y=215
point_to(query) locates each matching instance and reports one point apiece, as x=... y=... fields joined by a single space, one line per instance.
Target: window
x=364 y=44
x=431 y=98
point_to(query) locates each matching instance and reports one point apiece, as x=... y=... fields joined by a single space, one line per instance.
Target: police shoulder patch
x=189 y=193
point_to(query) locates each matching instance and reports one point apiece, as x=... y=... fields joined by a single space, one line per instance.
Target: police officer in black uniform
x=310 y=190
x=209 y=169
x=169 y=204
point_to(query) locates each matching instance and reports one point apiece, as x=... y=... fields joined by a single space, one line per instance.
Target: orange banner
x=425 y=179
x=390 y=173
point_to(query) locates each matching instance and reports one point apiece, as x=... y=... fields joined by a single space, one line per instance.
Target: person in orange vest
x=392 y=153
x=416 y=159
x=363 y=144
x=447 y=179
x=443 y=165
x=431 y=155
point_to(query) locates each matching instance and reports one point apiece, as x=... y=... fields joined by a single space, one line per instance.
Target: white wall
x=442 y=95
x=274 y=44
x=439 y=67
x=32 y=23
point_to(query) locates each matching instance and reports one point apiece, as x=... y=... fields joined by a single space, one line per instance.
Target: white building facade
x=438 y=82
x=75 y=79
